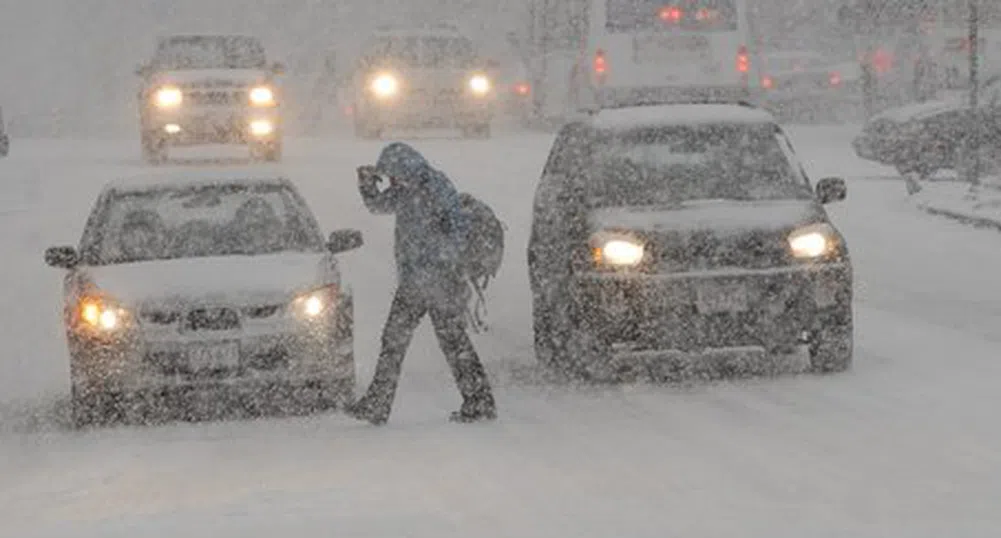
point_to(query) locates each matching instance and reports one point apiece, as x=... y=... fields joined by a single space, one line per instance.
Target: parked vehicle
x=804 y=82
x=218 y=289
x=210 y=89
x=927 y=137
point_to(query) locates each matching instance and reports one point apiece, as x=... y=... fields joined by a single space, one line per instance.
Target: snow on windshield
x=200 y=222
x=677 y=164
x=210 y=52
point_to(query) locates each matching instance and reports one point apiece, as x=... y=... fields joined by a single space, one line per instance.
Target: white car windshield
x=677 y=164
x=424 y=51
x=225 y=220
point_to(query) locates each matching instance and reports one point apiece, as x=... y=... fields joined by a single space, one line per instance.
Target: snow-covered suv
x=422 y=77
x=663 y=233
x=210 y=89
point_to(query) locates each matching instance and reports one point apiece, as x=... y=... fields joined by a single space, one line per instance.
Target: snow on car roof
x=919 y=111
x=190 y=178
x=679 y=114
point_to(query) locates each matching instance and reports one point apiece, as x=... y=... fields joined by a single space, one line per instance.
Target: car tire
x=154 y=149
x=579 y=351
x=542 y=333
x=832 y=348
x=4 y=145
x=94 y=408
x=480 y=131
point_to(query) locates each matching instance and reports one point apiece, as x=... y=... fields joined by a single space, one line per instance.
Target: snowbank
x=956 y=200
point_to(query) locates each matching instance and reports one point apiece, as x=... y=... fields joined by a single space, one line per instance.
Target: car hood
x=720 y=217
x=213 y=78
x=234 y=280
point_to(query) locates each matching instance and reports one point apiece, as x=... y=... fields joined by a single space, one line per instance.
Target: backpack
x=482 y=250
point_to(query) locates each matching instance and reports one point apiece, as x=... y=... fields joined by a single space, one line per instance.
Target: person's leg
x=470 y=376
x=404 y=316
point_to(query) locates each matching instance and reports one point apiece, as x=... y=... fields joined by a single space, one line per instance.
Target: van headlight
x=479 y=84
x=262 y=96
x=385 y=85
x=813 y=241
x=169 y=97
x=617 y=251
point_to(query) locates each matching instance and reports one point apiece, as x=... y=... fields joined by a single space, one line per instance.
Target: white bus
x=615 y=47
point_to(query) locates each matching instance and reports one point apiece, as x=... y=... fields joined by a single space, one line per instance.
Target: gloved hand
x=367 y=176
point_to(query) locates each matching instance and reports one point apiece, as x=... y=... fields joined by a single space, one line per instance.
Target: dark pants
x=409 y=307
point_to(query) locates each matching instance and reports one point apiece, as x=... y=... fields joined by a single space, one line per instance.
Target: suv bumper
x=194 y=126
x=429 y=110
x=775 y=309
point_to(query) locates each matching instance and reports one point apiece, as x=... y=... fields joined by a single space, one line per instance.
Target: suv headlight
x=262 y=96
x=169 y=97
x=479 y=84
x=316 y=303
x=814 y=241
x=385 y=85
x=617 y=251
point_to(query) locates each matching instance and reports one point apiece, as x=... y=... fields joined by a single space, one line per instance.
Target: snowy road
x=907 y=444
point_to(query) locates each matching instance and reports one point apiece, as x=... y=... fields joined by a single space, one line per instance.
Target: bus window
x=625 y=16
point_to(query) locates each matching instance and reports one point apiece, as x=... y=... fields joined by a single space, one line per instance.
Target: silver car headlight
x=169 y=97
x=813 y=241
x=262 y=96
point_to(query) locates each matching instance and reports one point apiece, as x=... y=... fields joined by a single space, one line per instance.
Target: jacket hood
x=402 y=161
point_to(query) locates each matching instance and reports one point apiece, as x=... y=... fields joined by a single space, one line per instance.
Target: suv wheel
x=831 y=349
x=579 y=351
x=94 y=408
x=154 y=149
x=481 y=131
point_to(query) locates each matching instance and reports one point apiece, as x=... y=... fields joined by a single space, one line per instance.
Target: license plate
x=661 y=48
x=721 y=298
x=223 y=356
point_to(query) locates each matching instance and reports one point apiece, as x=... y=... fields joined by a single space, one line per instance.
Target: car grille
x=701 y=251
x=216 y=98
x=212 y=319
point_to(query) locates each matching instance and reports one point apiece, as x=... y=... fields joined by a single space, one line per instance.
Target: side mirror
x=143 y=70
x=344 y=240
x=492 y=64
x=831 y=189
x=62 y=257
x=278 y=68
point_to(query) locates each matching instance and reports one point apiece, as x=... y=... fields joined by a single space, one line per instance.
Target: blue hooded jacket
x=429 y=225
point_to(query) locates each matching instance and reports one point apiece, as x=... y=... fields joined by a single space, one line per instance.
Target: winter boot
x=476 y=410
x=364 y=410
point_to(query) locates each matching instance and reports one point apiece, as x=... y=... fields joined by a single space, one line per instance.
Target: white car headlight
x=262 y=96
x=479 y=84
x=385 y=85
x=813 y=241
x=618 y=252
x=169 y=97
x=100 y=314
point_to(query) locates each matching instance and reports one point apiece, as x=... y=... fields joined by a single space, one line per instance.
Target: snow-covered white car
x=685 y=229
x=210 y=89
x=4 y=138
x=217 y=288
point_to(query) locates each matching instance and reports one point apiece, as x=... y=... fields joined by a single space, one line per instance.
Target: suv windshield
x=425 y=52
x=671 y=165
x=223 y=220
x=209 y=52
